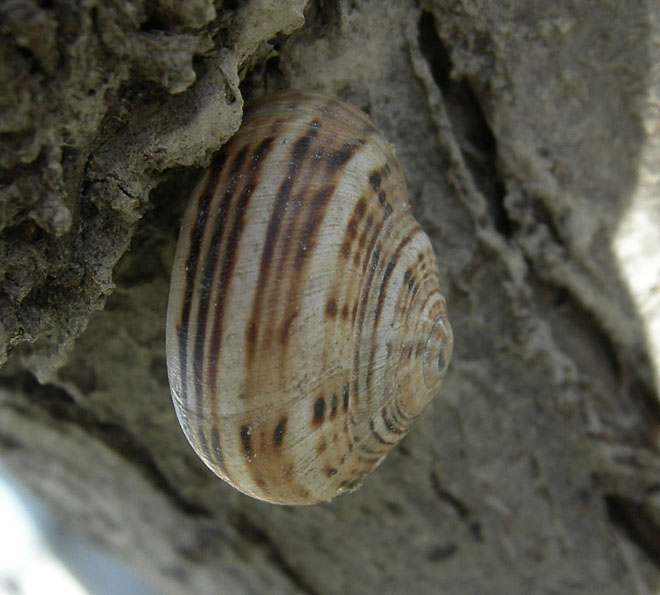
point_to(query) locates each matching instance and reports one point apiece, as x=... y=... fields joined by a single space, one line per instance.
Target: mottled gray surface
x=520 y=129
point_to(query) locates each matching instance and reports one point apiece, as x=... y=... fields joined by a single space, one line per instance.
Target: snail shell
x=305 y=327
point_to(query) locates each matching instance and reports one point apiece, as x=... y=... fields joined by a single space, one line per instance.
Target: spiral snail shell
x=305 y=327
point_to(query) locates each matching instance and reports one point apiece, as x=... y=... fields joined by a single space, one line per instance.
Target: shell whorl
x=305 y=327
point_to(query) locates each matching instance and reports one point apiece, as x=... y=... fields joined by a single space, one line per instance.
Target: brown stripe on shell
x=375 y=179
x=395 y=228
x=217 y=450
x=300 y=148
x=306 y=242
x=338 y=158
x=364 y=298
x=310 y=229
x=307 y=232
x=391 y=425
x=319 y=412
x=371 y=255
x=358 y=324
x=368 y=376
x=350 y=233
x=230 y=245
x=202 y=444
x=289 y=222
x=191 y=262
x=202 y=291
x=387 y=207
x=246 y=441
x=379 y=307
x=298 y=234
x=280 y=430
x=382 y=292
x=331 y=307
x=334 y=403
x=394 y=259
x=379 y=438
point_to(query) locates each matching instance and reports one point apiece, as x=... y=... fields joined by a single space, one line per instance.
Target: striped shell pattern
x=305 y=327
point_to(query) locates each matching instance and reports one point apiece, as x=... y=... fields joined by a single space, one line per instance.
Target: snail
x=305 y=327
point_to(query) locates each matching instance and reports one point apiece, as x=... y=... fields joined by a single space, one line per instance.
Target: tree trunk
x=528 y=134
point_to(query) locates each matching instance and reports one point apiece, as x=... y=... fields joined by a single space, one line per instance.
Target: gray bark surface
x=526 y=130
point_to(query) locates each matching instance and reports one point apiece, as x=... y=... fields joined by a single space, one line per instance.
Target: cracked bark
x=524 y=133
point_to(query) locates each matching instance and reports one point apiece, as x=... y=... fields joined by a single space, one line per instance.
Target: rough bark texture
x=526 y=130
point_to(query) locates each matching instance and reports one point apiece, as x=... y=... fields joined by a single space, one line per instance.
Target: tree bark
x=529 y=137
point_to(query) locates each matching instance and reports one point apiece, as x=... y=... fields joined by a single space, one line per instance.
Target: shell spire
x=306 y=330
